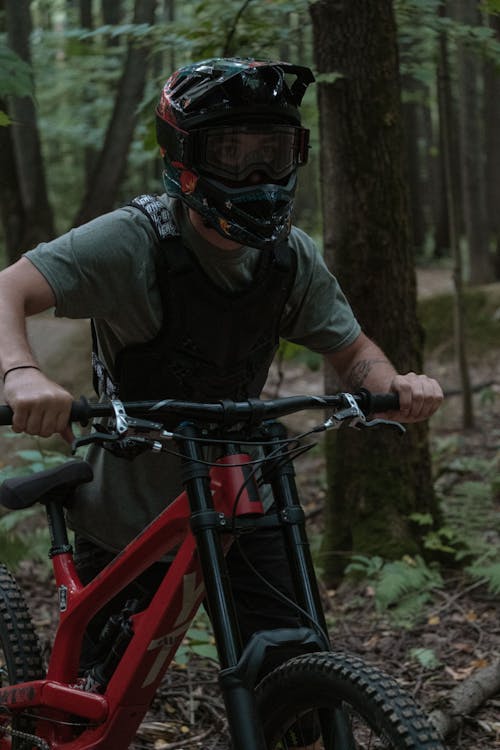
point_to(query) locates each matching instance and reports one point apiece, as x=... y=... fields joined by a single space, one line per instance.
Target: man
x=189 y=294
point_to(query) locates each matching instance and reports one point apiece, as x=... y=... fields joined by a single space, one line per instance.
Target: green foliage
x=491 y=6
x=289 y=352
x=22 y=536
x=199 y=641
x=443 y=542
x=425 y=657
x=488 y=572
x=24 y=533
x=470 y=487
x=15 y=78
x=482 y=322
x=401 y=587
x=15 y=74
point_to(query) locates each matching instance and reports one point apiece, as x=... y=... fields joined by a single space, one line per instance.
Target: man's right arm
x=40 y=406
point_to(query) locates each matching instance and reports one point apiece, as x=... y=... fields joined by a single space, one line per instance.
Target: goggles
x=234 y=153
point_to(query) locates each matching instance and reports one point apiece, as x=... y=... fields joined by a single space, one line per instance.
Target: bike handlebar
x=226 y=413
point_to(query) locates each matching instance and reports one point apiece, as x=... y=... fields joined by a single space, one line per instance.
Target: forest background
x=407 y=90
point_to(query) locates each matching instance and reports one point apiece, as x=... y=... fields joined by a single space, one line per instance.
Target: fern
x=401 y=580
x=489 y=572
x=401 y=587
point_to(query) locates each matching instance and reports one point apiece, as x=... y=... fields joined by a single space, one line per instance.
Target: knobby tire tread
x=345 y=678
x=19 y=643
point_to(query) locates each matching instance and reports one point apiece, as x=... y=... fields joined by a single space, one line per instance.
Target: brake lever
x=354 y=417
x=383 y=423
x=95 y=437
x=124 y=423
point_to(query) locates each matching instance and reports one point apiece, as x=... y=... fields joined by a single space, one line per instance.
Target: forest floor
x=453 y=637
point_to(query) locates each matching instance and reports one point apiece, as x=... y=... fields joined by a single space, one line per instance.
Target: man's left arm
x=362 y=364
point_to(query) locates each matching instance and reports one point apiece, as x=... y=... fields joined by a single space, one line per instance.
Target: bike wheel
x=20 y=655
x=335 y=701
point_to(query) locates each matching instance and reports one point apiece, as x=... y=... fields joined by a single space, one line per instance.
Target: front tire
x=20 y=655
x=335 y=701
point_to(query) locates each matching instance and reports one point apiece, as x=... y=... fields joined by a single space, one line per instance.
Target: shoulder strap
x=158 y=214
x=165 y=228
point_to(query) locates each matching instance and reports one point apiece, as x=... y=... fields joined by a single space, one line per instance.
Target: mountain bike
x=319 y=698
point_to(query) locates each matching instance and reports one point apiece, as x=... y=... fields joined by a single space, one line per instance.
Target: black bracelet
x=19 y=367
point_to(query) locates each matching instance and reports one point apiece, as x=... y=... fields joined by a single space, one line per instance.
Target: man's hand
x=419 y=397
x=41 y=407
x=363 y=364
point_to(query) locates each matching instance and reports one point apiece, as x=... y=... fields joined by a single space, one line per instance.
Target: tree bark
x=446 y=122
x=413 y=136
x=37 y=220
x=375 y=479
x=466 y=698
x=492 y=148
x=11 y=203
x=480 y=269
x=111 y=164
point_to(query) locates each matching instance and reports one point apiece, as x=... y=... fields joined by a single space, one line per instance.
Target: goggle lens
x=234 y=153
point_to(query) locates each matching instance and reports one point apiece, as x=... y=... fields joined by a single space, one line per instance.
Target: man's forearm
x=363 y=364
x=23 y=292
x=15 y=348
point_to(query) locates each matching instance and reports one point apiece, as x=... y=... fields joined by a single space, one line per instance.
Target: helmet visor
x=234 y=153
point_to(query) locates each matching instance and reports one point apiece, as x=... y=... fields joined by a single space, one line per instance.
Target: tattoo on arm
x=361 y=370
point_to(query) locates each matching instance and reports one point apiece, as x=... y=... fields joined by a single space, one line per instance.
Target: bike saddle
x=59 y=484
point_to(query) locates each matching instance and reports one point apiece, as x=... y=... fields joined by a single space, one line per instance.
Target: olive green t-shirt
x=105 y=270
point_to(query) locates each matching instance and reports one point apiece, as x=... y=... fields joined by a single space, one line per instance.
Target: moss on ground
x=482 y=322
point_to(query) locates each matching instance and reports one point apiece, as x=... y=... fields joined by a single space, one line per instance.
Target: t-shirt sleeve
x=317 y=315
x=87 y=266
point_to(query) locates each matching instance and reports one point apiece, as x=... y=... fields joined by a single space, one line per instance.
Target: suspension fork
x=244 y=723
x=281 y=475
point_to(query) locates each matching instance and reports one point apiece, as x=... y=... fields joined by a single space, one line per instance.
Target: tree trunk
x=492 y=148
x=85 y=12
x=112 y=15
x=37 y=220
x=111 y=165
x=375 y=479
x=442 y=241
x=452 y=189
x=413 y=136
x=11 y=204
x=480 y=269
x=87 y=92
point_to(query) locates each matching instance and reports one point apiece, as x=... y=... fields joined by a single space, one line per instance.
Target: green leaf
x=15 y=74
x=4 y=119
x=206 y=650
x=328 y=77
x=425 y=657
x=490 y=573
x=29 y=455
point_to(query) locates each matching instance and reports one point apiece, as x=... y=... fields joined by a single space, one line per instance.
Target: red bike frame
x=193 y=524
x=157 y=630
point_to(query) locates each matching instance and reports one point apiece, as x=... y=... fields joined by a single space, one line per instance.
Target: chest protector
x=213 y=344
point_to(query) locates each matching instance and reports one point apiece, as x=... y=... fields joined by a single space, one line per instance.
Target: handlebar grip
x=80 y=411
x=381 y=402
x=375 y=403
x=6 y=415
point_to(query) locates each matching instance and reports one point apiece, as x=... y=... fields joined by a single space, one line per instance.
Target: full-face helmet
x=230 y=134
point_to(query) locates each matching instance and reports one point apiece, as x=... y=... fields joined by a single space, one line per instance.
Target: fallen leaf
x=459 y=674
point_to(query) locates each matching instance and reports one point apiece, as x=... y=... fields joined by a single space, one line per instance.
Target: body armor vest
x=213 y=344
